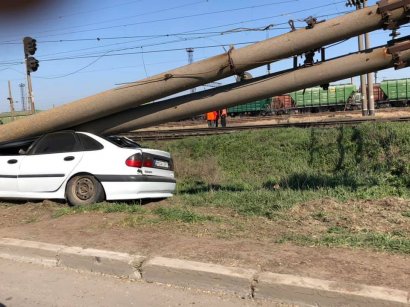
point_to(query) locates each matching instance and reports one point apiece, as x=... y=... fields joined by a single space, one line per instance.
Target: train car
x=315 y=99
x=282 y=105
x=259 y=107
x=396 y=93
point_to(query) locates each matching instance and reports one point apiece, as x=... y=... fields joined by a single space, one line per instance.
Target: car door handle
x=12 y=161
x=69 y=158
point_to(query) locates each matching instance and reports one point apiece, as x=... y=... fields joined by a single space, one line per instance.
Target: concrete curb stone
x=198 y=275
x=244 y=282
x=100 y=261
x=317 y=292
x=30 y=251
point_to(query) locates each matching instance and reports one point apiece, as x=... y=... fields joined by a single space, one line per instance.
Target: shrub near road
x=335 y=187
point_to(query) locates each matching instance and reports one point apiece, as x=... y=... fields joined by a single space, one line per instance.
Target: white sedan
x=84 y=168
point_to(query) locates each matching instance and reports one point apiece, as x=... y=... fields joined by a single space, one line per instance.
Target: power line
x=163 y=19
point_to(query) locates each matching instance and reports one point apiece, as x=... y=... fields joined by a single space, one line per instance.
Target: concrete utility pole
x=362 y=77
x=12 y=111
x=234 y=62
x=23 y=97
x=250 y=90
x=370 y=101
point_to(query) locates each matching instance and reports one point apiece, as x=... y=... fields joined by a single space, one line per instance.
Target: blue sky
x=79 y=41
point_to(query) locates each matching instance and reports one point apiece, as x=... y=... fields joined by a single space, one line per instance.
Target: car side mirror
x=22 y=151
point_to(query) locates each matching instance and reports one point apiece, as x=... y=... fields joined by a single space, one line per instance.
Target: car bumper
x=137 y=187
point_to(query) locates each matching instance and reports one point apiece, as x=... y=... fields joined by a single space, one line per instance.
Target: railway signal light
x=30 y=46
x=32 y=64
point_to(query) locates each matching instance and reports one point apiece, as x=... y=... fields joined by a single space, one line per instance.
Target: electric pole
x=369 y=76
x=10 y=99
x=23 y=98
x=359 y=5
x=190 y=52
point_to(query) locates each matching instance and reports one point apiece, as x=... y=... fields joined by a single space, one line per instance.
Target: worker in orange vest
x=216 y=113
x=224 y=114
x=211 y=117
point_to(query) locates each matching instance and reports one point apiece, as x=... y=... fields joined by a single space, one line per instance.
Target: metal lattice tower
x=190 y=52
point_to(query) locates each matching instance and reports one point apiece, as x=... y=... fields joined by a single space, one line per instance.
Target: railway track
x=164 y=135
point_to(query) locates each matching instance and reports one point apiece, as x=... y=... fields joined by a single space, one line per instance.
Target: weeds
x=181 y=215
x=337 y=237
x=100 y=207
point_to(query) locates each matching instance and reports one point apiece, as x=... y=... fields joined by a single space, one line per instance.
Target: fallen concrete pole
x=387 y=14
x=189 y=105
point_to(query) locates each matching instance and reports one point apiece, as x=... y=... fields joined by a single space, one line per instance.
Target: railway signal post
x=30 y=48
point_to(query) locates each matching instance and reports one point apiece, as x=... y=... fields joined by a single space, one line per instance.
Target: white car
x=83 y=169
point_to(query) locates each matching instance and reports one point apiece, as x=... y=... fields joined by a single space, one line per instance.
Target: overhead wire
x=159 y=20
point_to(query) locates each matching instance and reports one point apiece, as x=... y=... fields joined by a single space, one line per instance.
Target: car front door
x=9 y=168
x=48 y=164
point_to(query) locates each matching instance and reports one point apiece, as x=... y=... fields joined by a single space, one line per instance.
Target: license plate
x=162 y=164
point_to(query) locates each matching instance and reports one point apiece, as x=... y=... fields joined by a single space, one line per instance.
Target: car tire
x=84 y=190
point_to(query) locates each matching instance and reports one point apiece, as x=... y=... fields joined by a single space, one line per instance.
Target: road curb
x=244 y=282
x=317 y=292
x=199 y=275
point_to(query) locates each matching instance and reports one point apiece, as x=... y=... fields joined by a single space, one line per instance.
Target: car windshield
x=122 y=141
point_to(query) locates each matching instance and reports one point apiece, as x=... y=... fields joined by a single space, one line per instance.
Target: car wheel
x=84 y=190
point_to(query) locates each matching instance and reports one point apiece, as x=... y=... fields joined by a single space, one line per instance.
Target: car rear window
x=122 y=141
x=89 y=144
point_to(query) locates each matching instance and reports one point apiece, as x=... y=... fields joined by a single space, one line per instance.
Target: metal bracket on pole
x=311 y=22
x=396 y=49
x=385 y=8
x=231 y=62
x=292 y=25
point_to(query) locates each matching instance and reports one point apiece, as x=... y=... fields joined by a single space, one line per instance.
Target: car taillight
x=148 y=162
x=134 y=160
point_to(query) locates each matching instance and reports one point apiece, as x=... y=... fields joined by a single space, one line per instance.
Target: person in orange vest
x=224 y=114
x=216 y=118
x=211 y=117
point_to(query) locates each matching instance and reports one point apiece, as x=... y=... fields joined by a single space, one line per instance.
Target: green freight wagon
x=252 y=108
x=396 y=91
x=336 y=97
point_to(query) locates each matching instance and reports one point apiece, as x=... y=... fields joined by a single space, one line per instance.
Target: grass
x=272 y=175
x=100 y=207
x=181 y=215
x=340 y=238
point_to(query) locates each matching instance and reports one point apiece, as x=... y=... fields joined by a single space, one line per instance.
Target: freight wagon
x=336 y=98
x=259 y=107
x=396 y=93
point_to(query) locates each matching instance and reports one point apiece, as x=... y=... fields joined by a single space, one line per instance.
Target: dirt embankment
x=244 y=241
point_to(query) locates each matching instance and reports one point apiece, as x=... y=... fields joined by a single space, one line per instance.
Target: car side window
x=56 y=143
x=89 y=144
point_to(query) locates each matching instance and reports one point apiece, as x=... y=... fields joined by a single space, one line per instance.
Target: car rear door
x=48 y=164
x=9 y=167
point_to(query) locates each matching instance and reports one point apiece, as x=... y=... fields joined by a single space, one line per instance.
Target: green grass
x=269 y=173
x=389 y=242
x=181 y=215
x=100 y=207
x=260 y=172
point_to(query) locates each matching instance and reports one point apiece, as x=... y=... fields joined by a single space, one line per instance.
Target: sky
x=88 y=46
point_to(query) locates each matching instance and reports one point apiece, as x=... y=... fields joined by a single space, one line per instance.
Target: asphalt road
x=23 y=284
